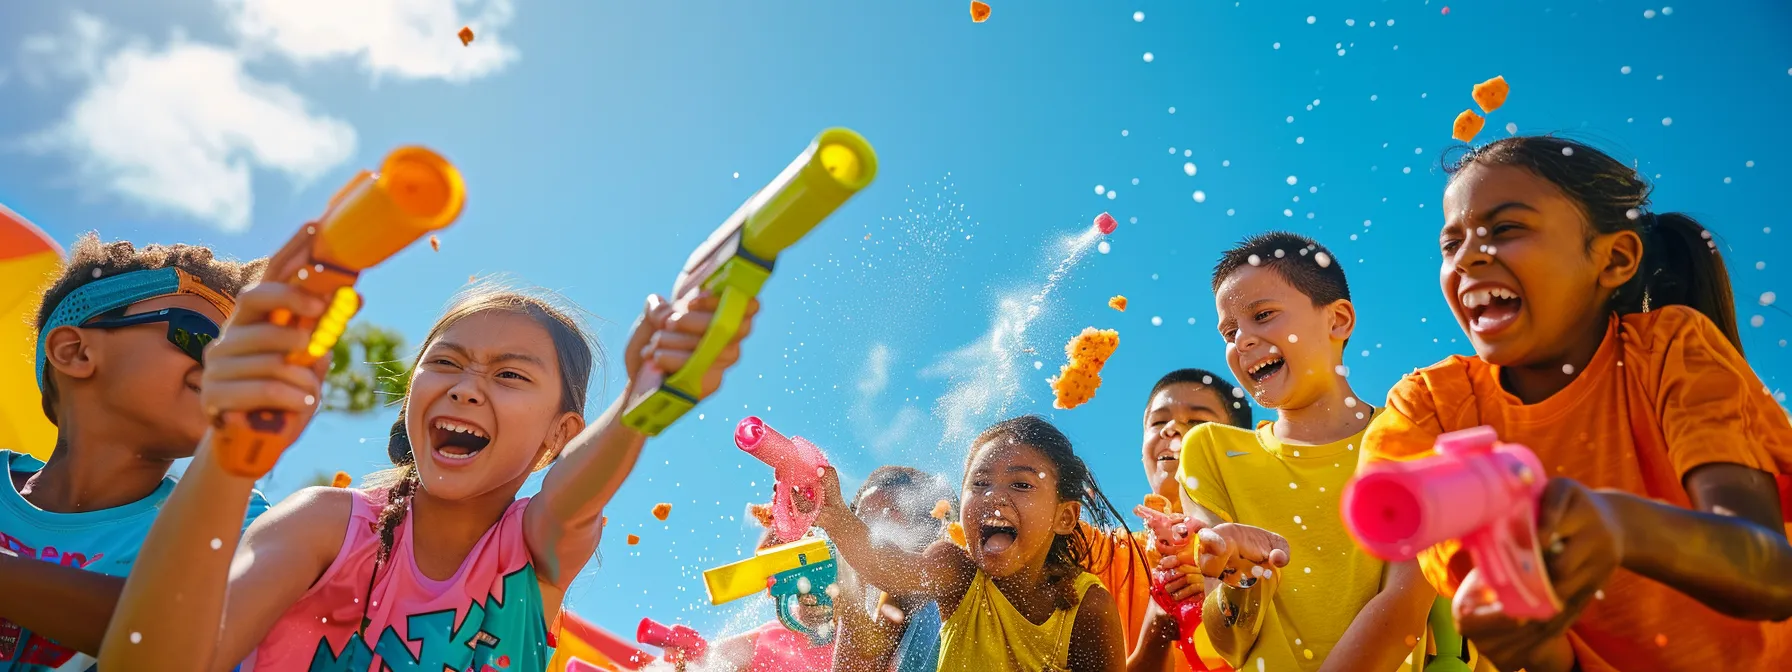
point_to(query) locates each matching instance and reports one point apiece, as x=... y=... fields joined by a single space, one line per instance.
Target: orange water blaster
x=415 y=192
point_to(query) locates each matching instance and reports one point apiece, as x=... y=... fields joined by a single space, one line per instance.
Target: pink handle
x=1171 y=532
x=1476 y=490
x=679 y=642
x=795 y=463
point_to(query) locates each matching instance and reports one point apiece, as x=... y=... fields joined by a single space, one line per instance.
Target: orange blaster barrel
x=416 y=191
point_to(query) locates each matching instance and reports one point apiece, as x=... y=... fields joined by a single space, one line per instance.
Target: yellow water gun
x=415 y=192
x=737 y=259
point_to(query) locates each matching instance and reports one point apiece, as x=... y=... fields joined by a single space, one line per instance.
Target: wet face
x=898 y=514
x=485 y=405
x=145 y=381
x=1011 y=512
x=1281 y=347
x=1174 y=411
x=1517 y=272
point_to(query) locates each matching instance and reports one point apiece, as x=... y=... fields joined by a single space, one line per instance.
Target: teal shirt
x=104 y=541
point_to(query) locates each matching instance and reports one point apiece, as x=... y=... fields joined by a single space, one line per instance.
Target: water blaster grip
x=1171 y=535
x=679 y=642
x=1477 y=490
x=369 y=220
x=797 y=465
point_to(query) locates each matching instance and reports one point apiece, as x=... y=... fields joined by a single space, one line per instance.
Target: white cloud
x=881 y=437
x=73 y=55
x=181 y=129
x=410 y=39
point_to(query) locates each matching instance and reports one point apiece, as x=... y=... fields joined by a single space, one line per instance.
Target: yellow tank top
x=987 y=633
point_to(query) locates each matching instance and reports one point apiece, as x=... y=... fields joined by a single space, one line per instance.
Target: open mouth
x=1261 y=371
x=457 y=440
x=1490 y=309
x=996 y=536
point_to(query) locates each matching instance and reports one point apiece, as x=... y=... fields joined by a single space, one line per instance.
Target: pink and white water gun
x=796 y=463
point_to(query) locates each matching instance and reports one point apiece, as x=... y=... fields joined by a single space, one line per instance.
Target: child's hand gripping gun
x=680 y=643
x=1477 y=490
x=1172 y=535
x=415 y=192
x=787 y=572
x=737 y=259
x=797 y=465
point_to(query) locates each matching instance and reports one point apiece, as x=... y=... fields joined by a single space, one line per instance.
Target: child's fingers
x=1214 y=555
x=269 y=367
x=257 y=338
x=257 y=303
x=248 y=395
x=1278 y=557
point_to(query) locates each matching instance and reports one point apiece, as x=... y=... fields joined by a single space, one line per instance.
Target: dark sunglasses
x=187 y=330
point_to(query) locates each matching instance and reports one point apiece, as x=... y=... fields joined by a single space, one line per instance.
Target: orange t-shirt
x=1693 y=400
x=1129 y=581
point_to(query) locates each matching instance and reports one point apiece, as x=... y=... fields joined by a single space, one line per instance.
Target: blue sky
x=600 y=143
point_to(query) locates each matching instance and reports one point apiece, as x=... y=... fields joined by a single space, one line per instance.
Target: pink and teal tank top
x=486 y=618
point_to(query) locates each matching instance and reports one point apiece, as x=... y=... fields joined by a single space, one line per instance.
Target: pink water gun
x=1172 y=535
x=1476 y=489
x=796 y=463
x=680 y=643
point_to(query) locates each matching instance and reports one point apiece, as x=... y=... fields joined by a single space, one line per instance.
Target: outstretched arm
x=563 y=522
x=1388 y=627
x=1729 y=552
x=942 y=572
x=65 y=604
x=1236 y=603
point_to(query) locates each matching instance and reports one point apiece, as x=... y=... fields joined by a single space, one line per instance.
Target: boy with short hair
x=1181 y=400
x=1286 y=588
x=121 y=339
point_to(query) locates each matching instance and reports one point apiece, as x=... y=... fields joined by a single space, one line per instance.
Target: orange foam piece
x=955 y=532
x=661 y=510
x=435 y=243
x=1467 y=125
x=1157 y=502
x=466 y=35
x=1117 y=303
x=341 y=480
x=979 y=11
x=633 y=539
x=1491 y=94
x=941 y=509
x=1088 y=352
x=761 y=513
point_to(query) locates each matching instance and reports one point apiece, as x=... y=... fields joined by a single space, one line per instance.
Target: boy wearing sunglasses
x=121 y=338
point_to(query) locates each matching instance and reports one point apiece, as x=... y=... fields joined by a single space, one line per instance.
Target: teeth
x=457 y=427
x=1259 y=365
x=1483 y=297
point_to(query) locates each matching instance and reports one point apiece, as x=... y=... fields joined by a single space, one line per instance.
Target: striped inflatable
x=28 y=259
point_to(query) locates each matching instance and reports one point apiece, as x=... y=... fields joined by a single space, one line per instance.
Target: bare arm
x=1232 y=616
x=1097 y=643
x=190 y=605
x=1729 y=552
x=1152 y=653
x=562 y=524
x=65 y=604
x=942 y=572
x=1385 y=631
x=865 y=642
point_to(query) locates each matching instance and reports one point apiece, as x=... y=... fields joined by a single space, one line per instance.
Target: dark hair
x=572 y=347
x=90 y=260
x=1681 y=265
x=1313 y=270
x=1070 y=553
x=1238 y=415
x=920 y=491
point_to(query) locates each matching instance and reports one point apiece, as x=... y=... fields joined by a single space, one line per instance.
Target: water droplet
x=217 y=543
x=1149 y=58
x=1767 y=298
x=1200 y=196
x=1624 y=70
x=1292 y=485
x=1188 y=169
x=1311 y=19
x=1103 y=247
x=1138 y=17
x=1292 y=180
x=1237 y=393
x=1255 y=260
x=1099 y=190
x=1294 y=338
x=1350 y=402
x=1648 y=13
x=1325 y=260
x=1756 y=321
x=1112 y=194
x=1667 y=121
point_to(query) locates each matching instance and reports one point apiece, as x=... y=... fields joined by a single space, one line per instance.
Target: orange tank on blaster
x=415 y=192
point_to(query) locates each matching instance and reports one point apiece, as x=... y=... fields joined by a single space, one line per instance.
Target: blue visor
x=118 y=291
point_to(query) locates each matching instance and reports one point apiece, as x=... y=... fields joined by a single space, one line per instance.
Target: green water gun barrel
x=738 y=258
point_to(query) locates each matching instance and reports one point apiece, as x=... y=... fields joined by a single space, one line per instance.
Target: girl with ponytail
x=435 y=564
x=1605 y=340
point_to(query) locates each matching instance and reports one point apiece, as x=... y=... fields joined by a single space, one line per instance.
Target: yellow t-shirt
x=1252 y=478
x=986 y=633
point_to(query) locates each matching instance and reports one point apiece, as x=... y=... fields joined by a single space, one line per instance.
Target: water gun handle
x=1510 y=560
x=729 y=315
x=368 y=221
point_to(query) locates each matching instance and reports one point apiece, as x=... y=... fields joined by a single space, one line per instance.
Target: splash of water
x=987 y=376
